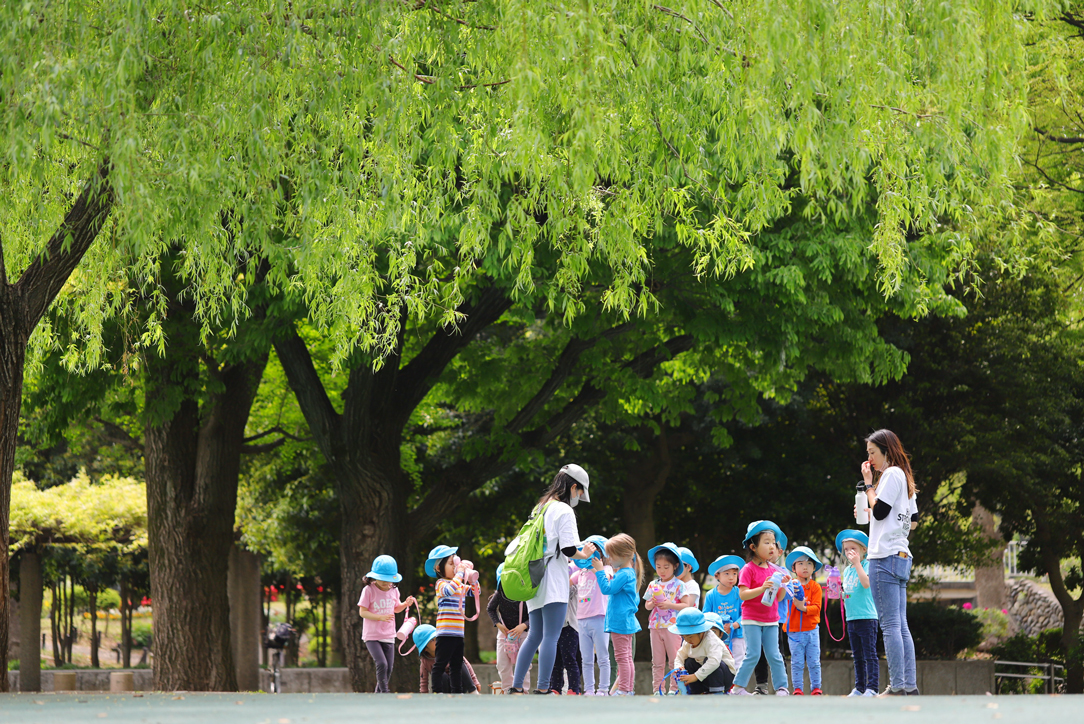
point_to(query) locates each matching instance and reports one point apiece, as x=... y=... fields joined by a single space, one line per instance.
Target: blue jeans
x=545 y=628
x=595 y=643
x=888 y=583
x=805 y=650
x=867 y=669
x=756 y=639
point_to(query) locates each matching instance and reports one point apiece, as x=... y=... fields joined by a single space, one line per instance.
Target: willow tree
x=390 y=161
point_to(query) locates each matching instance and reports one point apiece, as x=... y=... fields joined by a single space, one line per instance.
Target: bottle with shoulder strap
x=525 y=558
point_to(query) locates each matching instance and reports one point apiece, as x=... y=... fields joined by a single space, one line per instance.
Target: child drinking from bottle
x=665 y=596
x=510 y=618
x=378 y=605
x=591 y=615
x=803 y=622
x=724 y=601
x=860 y=612
x=623 y=599
x=707 y=662
x=760 y=617
x=451 y=589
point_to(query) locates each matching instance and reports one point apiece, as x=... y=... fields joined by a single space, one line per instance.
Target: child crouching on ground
x=803 y=621
x=432 y=680
x=706 y=659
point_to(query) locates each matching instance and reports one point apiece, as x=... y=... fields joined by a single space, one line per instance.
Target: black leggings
x=384 y=657
x=449 y=656
x=568 y=659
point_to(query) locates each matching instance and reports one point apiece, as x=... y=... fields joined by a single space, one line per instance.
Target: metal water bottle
x=861 y=505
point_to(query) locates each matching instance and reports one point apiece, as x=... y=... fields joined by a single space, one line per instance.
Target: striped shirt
x=451 y=605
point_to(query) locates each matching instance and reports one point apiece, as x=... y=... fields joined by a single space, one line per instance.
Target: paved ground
x=355 y=708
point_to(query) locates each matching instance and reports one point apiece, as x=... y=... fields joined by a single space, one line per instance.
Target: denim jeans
x=805 y=650
x=766 y=638
x=888 y=583
x=867 y=669
x=542 y=634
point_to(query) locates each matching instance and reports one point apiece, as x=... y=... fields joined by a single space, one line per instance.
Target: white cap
x=580 y=476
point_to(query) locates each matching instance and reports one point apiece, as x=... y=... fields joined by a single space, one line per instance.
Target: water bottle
x=796 y=590
x=861 y=505
x=834 y=589
x=769 y=596
x=404 y=632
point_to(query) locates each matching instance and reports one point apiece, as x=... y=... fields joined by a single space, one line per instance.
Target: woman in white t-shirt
x=547 y=610
x=894 y=514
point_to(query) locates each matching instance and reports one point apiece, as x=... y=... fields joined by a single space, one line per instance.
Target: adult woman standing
x=894 y=515
x=547 y=610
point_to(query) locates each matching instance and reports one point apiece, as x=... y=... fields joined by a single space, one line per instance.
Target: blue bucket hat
x=600 y=549
x=422 y=636
x=724 y=562
x=803 y=552
x=435 y=556
x=672 y=547
x=689 y=621
x=688 y=557
x=385 y=569
x=759 y=526
x=851 y=534
x=500 y=570
x=716 y=621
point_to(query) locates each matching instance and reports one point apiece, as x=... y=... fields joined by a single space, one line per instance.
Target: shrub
x=142 y=634
x=942 y=632
x=995 y=624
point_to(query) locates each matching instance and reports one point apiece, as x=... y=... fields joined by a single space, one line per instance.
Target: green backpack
x=524 y=563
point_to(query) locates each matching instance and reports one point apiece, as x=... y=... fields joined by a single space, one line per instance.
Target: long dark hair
x=560 y=489
x=890 y=445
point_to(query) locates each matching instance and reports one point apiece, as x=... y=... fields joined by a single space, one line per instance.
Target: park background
x=281 y=303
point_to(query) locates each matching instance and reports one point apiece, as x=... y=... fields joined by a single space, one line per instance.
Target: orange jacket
x=808 y=620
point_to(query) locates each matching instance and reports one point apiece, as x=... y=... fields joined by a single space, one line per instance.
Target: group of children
x=700 y=645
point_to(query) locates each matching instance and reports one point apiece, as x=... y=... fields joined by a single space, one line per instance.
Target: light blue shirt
x=728 y=605
x=623 y=600
x=857 y=600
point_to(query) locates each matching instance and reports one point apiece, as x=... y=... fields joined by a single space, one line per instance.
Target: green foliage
x=142 y=633
x=995 y=624
x=942 y=632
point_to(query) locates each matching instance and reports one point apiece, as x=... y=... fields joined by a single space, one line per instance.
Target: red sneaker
x=572 y=693
x=816 y=692
x=554 y=691
x=797 y=692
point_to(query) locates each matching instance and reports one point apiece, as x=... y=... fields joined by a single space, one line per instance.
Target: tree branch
x=419 y=375
x=117 y=434
x=324 y=422
x=3 y=267
x=1073 y=140
x=276 y=430
x=47 y=274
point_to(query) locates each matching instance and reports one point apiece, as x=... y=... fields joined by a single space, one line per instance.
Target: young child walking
x=803 y=622
x=724 y=601
x=707 y=661
x=591 y=612
x=689 y=566
x=451 y=590
x=378 y=605
x=761 y=623
x=623 y=591
x=665 y=596
x=860 y=612
x=510 y=618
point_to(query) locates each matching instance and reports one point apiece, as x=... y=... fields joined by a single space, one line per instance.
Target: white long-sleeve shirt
x=709 y=654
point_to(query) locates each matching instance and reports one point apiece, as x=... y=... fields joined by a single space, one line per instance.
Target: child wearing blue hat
x=436 y=680
x=803 y=620
x=665 y=597
x=859 y=612
x=591 y=614
x=378 y=605
x=763 y=541
x=724 y=601
x=451 y=589
x=510 y=618
x=689 y=567
x=707 y=661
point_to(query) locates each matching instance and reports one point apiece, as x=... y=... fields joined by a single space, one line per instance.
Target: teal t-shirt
x=857 y=600
x=727 y=606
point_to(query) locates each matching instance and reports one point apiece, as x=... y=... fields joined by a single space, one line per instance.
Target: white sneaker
x=739 y=691
x=869 y=692
x=856 y=692
x=782 y=692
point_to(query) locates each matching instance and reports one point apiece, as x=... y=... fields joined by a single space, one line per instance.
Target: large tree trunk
x=12 y=355
x=192 y=463
x=125 y=625
x=990 y=578
x=30 y=587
